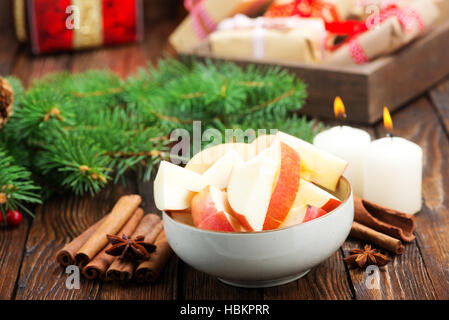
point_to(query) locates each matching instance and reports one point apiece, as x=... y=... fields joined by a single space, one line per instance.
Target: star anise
x=130 y=249
x=367 y=256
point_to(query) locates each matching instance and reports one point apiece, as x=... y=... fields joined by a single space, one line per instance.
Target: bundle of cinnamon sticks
x=88 y=250
x=382 y=226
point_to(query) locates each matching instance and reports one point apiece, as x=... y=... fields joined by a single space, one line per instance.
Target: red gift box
x=59 y=25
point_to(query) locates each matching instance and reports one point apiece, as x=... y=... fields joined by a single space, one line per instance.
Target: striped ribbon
x=407 y=17
x=202 y=22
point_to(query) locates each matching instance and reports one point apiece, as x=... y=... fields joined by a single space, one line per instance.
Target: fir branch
x=79 y=131
x=78 y=161
x=16 y=186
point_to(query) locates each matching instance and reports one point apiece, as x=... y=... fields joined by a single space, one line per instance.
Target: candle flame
x=339 y=108
x=388 y=122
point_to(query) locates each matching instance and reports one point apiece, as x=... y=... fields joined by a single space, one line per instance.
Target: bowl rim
x=300 y=225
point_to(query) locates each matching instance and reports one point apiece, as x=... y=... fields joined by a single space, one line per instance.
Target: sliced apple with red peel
x=313 y=213
x=295 y=216
x=317 y=165
x=210 y=211
x=310 y=194
x=204 y=159
x=285 y=190
x=219 y=173
x=172 y=187
x=183 y=216
x=250 y=188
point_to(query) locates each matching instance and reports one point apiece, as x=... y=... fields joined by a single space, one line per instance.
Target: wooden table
x=27 y=265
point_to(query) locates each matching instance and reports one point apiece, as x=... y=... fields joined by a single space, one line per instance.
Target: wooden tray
x=388 y=81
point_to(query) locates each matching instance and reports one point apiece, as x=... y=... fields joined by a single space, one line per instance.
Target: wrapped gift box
x=391 y=80
x=51 y=25
x=398 y=26
x=284 y=39
x=204 y=17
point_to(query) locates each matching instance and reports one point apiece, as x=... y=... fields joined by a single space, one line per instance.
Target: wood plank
x=6 y=16
x=419 y=123
x=12 y=243
x=198 y=285
x=165 y=288
x=403 y=278
x=153 y=47
x=28 y=68
x=9 y=48
x=440 y=99
x=57 y=222
x=327 y=281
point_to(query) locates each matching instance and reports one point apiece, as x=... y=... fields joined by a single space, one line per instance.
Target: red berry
x=14 y=218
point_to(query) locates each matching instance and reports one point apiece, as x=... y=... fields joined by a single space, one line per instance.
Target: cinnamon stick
x=382 y=240
x=150 y=270
x=66 y=256
x=98 y=266
x=119 y=215
x=397 y=224
x=121 y=270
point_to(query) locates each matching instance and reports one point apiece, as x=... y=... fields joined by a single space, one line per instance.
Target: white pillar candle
x=351 y=145
x=393 y=174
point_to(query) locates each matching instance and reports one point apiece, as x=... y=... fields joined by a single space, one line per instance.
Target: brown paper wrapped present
x=283 y=39
x=204 y=17
x=398 y=25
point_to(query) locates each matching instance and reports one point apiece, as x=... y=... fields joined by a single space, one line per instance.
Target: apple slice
x=313 y=213
x=219 y=173
x=310 y=194
x=287 y=185
x=205 y=159
x=251 y=185
x=183 y=216
x=295 y=216
x=318 y=166
x=210 y=211
x=172 y=187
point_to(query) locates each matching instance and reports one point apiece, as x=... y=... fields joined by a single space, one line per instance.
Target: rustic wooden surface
x=28 y=269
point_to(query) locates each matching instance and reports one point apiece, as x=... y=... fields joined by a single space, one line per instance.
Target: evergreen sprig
x=16 y=186
x=77 y=132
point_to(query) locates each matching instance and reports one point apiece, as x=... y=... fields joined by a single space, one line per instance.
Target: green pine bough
x=77 y=132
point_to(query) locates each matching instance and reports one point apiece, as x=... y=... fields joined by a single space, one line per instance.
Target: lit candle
x=347 y=143
x=393 y=172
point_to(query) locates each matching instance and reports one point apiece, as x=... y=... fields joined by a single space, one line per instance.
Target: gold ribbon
x=90 y=31
x=19 y=20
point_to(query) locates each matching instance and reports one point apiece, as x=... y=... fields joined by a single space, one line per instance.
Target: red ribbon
x=407 y=17
x=304 y=8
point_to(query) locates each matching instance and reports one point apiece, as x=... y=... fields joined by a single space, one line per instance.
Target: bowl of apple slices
x=259 y=214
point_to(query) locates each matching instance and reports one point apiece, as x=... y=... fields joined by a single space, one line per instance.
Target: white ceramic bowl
x=266 y=258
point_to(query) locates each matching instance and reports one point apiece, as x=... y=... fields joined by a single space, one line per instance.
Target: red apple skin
x=284 y=193
x=205 y=214
x=313 y=213
x=242 y=219
x=331 y=205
